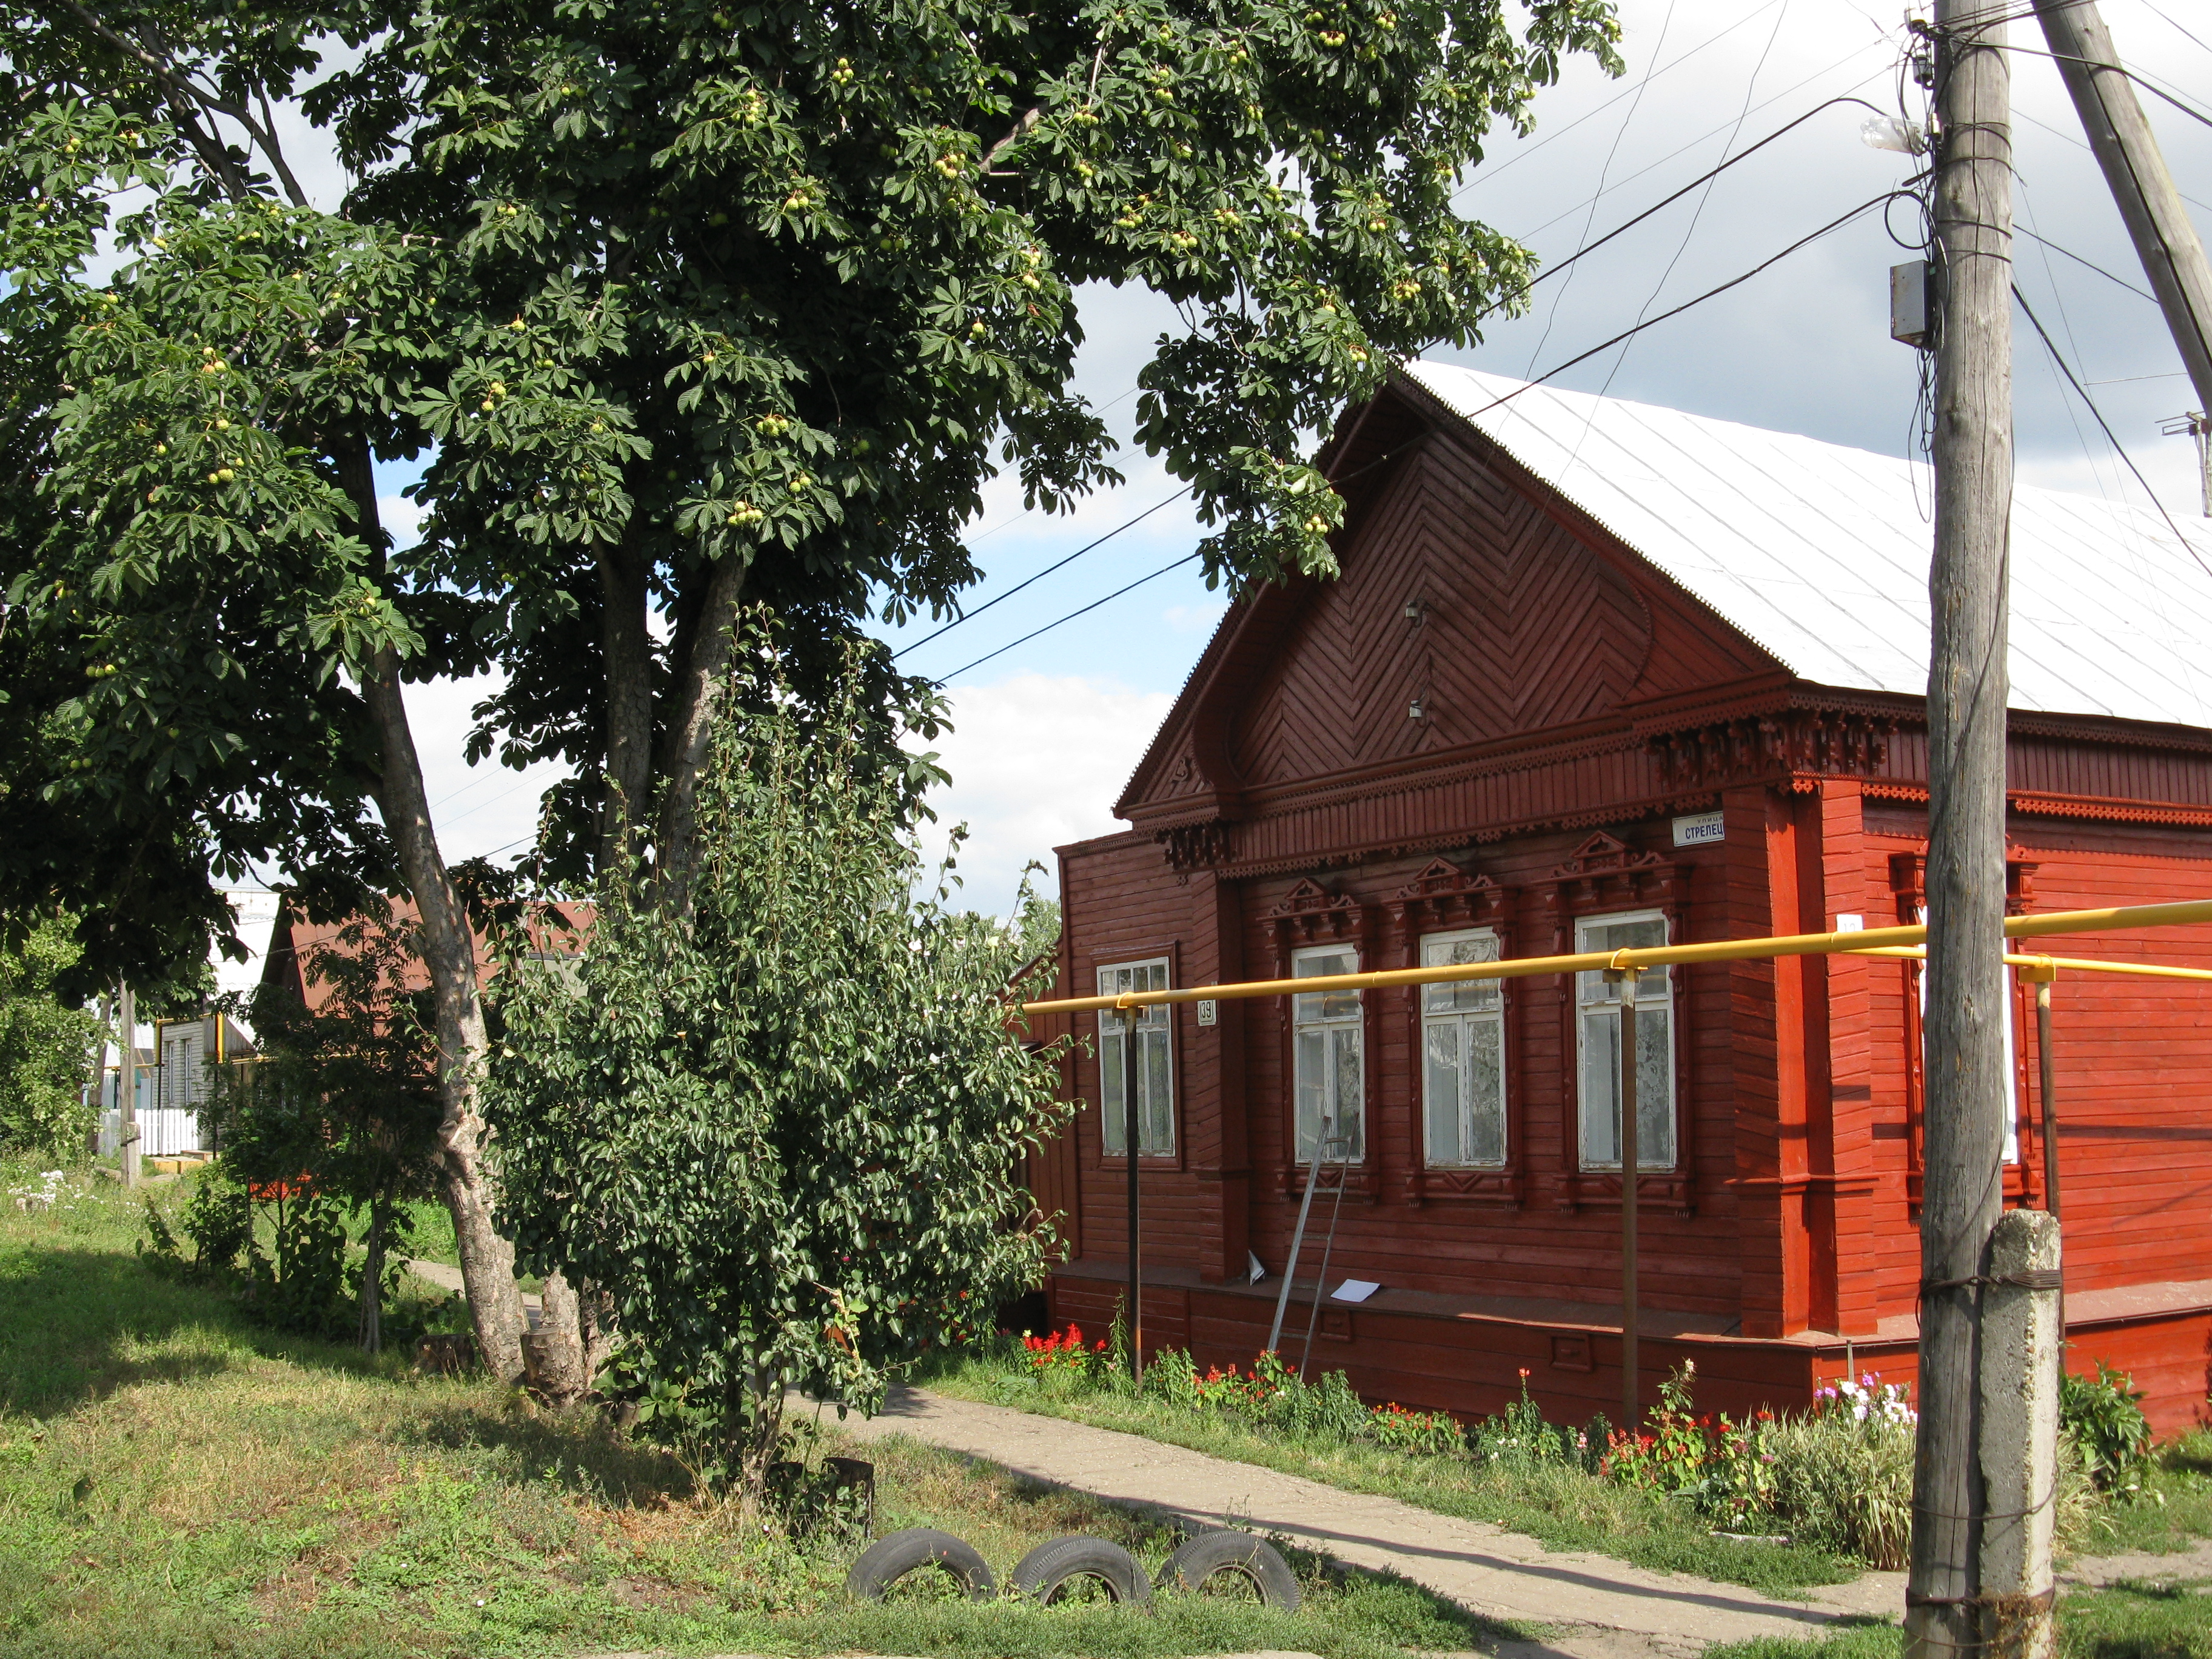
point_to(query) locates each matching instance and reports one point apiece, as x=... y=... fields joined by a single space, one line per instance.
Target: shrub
x=1435 y=1433
x=46 y=1048
x=1521 y=1435
x=1843 y=1472
x=2105 y=1417
x=1060 y=1356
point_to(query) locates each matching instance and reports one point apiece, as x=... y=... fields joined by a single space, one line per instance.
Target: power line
x=2078 y=143
x=1832 y=225
x=1649 y=75
x=1072 y=615
x=2082 y=393
x=2175 y=26
x=969 y=616
x=1705 y=178
x=1734 y=282
x=2091 y=263
x=1660 y=161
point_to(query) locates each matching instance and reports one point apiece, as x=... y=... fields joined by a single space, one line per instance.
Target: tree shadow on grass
x=77 y=1324
x=576 y=1451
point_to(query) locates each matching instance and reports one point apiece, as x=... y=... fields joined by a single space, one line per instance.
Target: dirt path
x=1595 y=1607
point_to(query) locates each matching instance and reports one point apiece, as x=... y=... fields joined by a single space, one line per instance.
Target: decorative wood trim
x=2048 y=804
x=1309 y=913
x=1800 y=744
x=1606 y=874
x=1443 y=898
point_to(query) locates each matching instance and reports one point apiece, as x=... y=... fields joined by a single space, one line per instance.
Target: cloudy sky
x=1049 y=731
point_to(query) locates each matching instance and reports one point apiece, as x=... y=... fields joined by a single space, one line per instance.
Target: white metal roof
x=1819 y=554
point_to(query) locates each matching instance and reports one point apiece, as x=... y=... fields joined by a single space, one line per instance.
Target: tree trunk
x=372 y=1280
x=448 y=949
x=697 y=694
x=759 y=1435
x=562 y=1372
x=629 y=648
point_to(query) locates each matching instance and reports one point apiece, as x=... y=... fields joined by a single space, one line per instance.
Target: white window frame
x=1156 y=1088
x=1597 y=1001
x=1456 y=1013
x=1330 y=1033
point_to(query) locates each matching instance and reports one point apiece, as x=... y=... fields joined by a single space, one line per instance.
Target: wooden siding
x=1564 y=688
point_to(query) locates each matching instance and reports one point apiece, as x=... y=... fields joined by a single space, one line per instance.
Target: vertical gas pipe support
x=1631 y=1163
x=1131 y=1013
x=2043 y=975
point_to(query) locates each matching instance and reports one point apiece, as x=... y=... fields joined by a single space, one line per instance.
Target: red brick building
x=1597 y=673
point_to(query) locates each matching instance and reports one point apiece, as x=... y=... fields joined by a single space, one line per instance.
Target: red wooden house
x=1597 y=673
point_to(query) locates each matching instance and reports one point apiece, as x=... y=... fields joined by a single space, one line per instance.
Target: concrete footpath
x=1592 y=1606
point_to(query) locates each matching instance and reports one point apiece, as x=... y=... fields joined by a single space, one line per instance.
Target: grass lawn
x=176 y=1482
x=2146 y=1619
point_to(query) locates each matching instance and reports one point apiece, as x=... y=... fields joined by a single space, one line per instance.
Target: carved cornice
x=1791 y=744
x=1194 y=846
x=2042 y=803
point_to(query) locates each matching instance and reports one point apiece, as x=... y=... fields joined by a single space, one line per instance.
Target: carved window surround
x=1605 y=875
x=1442 y=898
x=1309 y=913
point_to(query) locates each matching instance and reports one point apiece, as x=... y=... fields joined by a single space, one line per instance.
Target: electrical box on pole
x=1912 y=303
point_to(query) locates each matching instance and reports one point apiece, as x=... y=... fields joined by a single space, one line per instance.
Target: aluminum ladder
x=1332 y=1155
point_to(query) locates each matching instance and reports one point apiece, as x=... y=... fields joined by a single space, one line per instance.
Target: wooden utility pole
x=126 y=1086
x=1967 y=1092
x=2126 y=148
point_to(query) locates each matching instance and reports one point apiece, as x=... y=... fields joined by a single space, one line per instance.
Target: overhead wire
x=1545 y=275
x=1649 y=75
x=1176 y=565
x=1833 y=225
x=1604 y=172
x=2042 y=334
x=2079 y=143
x=969 y=616
x=2046 y=241
x=2175 y=26
x=1698 y=212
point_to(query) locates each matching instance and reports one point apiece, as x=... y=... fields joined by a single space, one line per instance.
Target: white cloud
x=1037 y=760
x=481 y=809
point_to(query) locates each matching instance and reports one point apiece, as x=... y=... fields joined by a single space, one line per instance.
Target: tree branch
x=1022 y=128
x=182 y=88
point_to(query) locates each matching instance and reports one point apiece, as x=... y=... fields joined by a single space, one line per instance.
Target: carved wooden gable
x=1464 y=615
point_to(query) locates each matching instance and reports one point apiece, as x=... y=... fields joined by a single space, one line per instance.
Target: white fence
x=163 y=1131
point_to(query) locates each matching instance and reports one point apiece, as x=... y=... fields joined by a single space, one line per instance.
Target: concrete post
x=2021 y=1358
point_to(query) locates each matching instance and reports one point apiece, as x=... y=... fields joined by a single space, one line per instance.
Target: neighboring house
x=558 y=933
x=1599 y=674
x=173 y=1077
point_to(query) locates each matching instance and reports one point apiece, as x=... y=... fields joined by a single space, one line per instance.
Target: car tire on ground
x=1200 y=1557
x=1048 y=1570
x=889 y=1560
